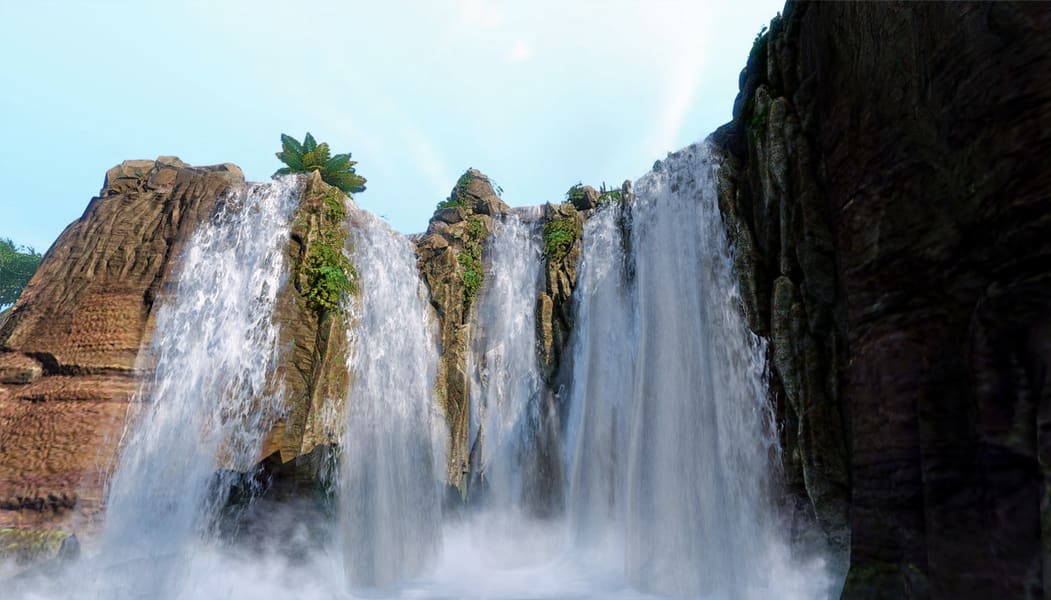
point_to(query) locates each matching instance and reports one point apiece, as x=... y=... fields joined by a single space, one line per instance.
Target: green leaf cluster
x=17 y=265
x=309 y=156
x=610 y=197
x=559 y=236
x=471 y=259
x=328 y=272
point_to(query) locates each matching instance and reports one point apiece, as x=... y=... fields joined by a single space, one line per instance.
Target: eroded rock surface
x=68 y=348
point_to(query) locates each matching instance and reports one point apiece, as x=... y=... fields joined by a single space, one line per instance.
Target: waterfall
x=673 y=441
x=604 y=347
x=395 y=439
x=660 y=418
x=505 y=379
x=209 y=400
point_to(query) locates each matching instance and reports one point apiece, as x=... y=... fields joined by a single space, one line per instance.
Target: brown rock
x=455 y=214
x=312 y=369
x=88 y=303
x=72 y=339
x=18 y=368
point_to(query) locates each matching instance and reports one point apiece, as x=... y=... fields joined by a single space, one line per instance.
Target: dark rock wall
x=887 y=186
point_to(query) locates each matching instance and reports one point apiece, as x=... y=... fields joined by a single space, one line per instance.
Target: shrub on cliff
x=309 y=156
x=17 y=266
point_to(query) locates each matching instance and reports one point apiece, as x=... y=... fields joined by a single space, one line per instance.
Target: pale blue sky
x=538 y=94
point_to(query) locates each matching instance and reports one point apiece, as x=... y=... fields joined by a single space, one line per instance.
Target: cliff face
x=69 y=348
x=886 y=183
x=452 y=262
x=312 y=368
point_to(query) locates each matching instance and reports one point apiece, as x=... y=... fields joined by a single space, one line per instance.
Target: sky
x=538 y=94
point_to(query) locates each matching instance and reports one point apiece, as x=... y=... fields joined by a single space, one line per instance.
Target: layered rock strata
x=70 y=346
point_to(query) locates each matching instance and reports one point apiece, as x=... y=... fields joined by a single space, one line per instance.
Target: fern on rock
x=308 y=156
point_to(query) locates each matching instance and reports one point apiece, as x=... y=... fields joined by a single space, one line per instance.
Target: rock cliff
x=450 y=261
x=886 y=185
x=69 y=348
x=72 y=349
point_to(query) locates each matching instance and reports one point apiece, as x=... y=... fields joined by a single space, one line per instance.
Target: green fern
x=309 y=156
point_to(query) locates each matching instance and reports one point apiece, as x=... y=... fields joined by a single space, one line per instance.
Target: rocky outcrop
x=312 y=368
x=885 y=184
x=450 y=261
x=69 y=348
x=554 y=318
x=71 y=360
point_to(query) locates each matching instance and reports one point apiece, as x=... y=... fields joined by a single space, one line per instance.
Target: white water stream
x=395 y=438
x=505 y=381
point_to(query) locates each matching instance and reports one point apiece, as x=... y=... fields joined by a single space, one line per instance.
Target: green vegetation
x=575 y=193
x=471 y=258
x=17 y=265
x=337 y=170
x=328 y=272
x=559 y=236
x=24 y=545
x=456 y=198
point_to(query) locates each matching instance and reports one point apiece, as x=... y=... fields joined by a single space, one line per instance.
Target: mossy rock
x=25 y=546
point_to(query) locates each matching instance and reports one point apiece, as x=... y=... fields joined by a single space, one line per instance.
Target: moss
x=24 y=545
x=456 y=198
x=559 y=236
x=472 y=275
x=475 y=229
x=327 y=271
x=610 y=197
x=471 y=258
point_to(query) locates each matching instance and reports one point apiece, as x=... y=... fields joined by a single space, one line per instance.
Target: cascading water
x=505 y=381
x=673 y=441
x=669 y=445
x=395 y=438
x=604 y=347
x=209 y=400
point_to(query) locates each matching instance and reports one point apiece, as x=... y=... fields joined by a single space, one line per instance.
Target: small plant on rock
x=559 y=236
x=470 y=258
x=309 y=156
x=328 y=272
